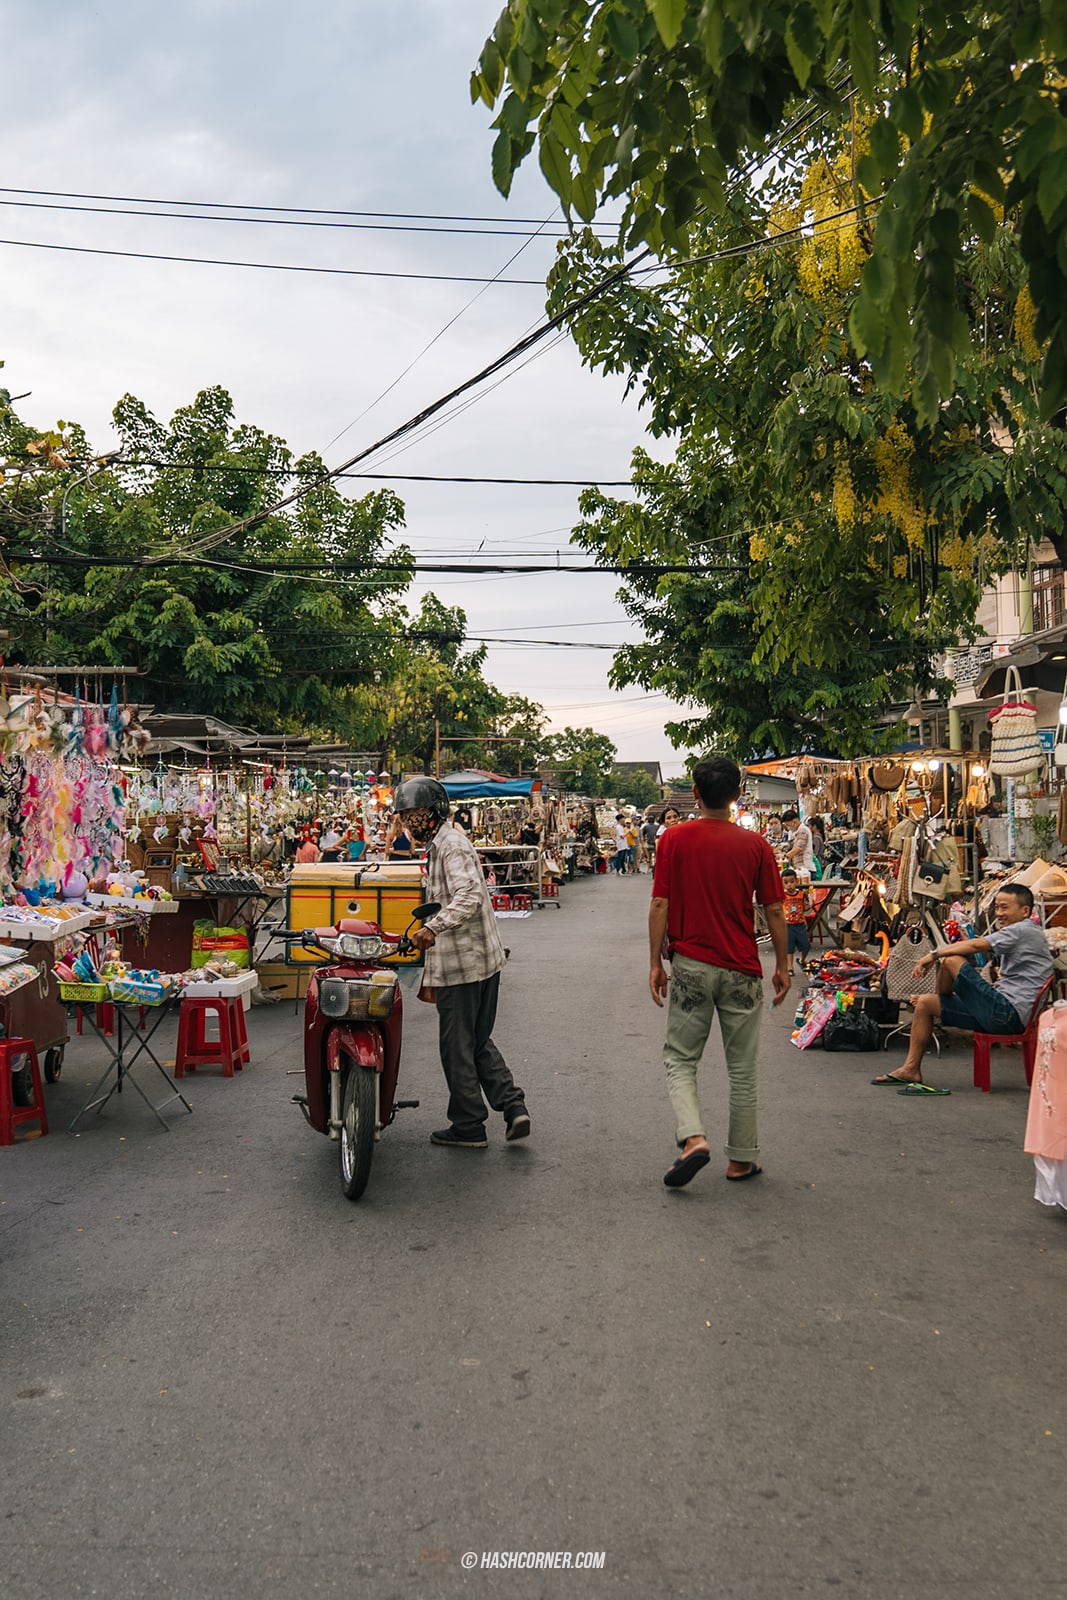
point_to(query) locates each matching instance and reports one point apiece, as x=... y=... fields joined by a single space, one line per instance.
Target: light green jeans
x=697 y=992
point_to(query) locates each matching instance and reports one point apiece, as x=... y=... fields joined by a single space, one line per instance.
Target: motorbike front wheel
x=356 y=1144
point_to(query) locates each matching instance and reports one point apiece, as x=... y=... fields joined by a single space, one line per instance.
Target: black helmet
x=422 y=794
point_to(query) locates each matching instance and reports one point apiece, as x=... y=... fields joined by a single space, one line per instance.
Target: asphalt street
x=221 y=1379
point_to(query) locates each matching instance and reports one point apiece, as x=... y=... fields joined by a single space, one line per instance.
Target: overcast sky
x=342 y=105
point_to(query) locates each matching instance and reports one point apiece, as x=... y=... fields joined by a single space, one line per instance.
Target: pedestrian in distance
x=801 y=853
x=708 y=872
x=464 y=959
x=671 y=818
x=618 y=864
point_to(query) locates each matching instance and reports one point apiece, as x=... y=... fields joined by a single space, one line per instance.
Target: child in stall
x=799 y=905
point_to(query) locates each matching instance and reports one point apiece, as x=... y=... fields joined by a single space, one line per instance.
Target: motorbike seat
x=356 y=925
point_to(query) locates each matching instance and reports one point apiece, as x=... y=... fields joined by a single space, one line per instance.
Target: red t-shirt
x=708 y=872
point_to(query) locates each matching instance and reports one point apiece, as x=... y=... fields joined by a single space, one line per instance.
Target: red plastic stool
x=229 y=1051
x=11 y=1114
x=550 y=889
x=521 y=902
x=983 y=1043
x=501 y=902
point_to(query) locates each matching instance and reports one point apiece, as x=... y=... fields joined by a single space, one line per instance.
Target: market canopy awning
x=479 y=786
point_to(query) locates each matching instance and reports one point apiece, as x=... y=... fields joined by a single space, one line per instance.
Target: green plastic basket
x=84 y=992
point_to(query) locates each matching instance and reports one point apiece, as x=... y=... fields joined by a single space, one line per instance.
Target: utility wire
x=415 y=569
x=377 y=477
x=268 y=266
x=299 y=211
x=562 y=231
x=429 y=346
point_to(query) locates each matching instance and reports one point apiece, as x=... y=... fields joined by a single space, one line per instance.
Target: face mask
x=421 y=823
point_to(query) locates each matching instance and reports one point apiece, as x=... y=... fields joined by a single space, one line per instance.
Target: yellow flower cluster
x=831 y=257
x=957 y=554
x=1025 y=318
x=844 y=493
x=758 y=548
x=897 y=497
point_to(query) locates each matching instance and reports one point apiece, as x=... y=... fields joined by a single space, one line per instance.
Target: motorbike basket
x=368 y=999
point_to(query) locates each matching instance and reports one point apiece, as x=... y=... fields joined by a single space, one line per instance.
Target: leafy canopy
x=838 y=542
x=671 y=107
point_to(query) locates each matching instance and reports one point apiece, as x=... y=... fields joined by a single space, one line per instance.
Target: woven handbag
x=914 y=942
x=1016 y=746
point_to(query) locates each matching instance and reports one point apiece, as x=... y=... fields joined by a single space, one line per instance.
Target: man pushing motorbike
x=464 y=959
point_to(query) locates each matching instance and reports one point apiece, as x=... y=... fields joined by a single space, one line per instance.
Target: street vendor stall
x=519 y=836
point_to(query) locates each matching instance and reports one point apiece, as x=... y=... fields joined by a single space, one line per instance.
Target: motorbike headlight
x=358 y=999
x=360 y=946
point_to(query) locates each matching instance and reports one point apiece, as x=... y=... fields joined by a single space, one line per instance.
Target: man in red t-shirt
x=708 y=872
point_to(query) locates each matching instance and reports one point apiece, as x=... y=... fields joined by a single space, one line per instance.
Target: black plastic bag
x=851 y=1030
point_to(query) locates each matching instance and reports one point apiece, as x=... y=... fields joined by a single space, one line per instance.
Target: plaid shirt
x=467 y=947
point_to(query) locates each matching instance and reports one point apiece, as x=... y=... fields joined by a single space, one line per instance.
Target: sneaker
x=459 y=1141
x=518 y=1121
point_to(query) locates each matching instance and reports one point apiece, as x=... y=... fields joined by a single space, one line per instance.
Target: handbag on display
x=929 y=880
x=1016 y=746
x=915 y=941
x=888 y=776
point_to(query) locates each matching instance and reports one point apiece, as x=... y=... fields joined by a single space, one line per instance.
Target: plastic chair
x=11 y=1050
x=983 y=1043
x=229 y=1051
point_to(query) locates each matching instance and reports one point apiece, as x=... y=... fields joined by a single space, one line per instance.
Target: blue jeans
x=976 y=1004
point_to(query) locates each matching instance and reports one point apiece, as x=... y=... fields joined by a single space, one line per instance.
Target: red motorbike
x=353 y=1018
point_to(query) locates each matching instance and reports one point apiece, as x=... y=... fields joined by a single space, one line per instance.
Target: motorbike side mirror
x=430 y=909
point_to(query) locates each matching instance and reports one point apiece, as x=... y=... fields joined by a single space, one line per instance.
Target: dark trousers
x=472 y=1064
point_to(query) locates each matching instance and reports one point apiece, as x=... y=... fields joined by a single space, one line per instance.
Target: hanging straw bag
x=1016 y=746
x=915 y=941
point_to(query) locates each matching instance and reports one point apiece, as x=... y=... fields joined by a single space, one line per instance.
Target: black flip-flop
x=885 y=1079
x=686 y=1167
x=739 y=1177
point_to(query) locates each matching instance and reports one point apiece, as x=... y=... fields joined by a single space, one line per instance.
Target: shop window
x=1050 y=597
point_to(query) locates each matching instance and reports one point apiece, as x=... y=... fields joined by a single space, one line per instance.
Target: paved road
x=220 y=1379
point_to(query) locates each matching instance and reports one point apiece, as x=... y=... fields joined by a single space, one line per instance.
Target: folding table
x=124 y=1056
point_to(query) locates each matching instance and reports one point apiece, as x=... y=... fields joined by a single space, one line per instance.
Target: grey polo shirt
x=1025 y=963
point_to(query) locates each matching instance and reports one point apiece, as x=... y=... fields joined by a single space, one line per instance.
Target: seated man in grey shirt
x=966 y=1000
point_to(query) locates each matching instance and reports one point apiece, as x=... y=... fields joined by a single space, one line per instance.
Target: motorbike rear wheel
x=355 y=1147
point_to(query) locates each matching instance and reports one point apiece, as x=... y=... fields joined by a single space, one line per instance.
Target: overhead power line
x=267 y=266
x=372 y=477
x=296 y=211
x=559 y=230
x=278 y=569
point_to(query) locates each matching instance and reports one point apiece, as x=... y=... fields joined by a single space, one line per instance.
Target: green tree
x=835 y=541
x=583 y=758
x=433 y=684
x=638 y=787
x=138 y=561
x=674 y=107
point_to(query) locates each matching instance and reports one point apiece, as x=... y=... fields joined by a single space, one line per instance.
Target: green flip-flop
x=922 y=1088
